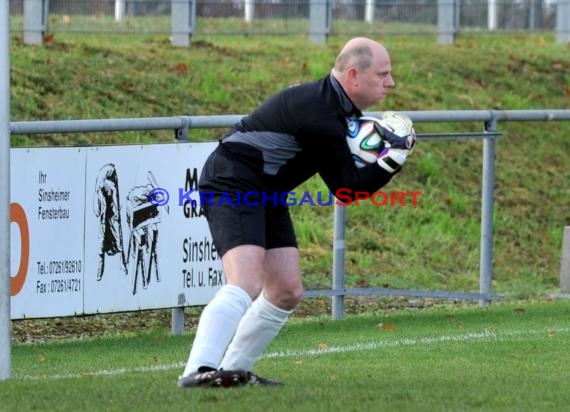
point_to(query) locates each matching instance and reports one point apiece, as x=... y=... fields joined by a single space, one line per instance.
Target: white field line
x=357 y=347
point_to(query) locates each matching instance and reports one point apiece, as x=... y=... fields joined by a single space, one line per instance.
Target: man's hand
x=392 y=159
x=399 y=139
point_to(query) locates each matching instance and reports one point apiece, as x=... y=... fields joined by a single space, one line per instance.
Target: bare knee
x=282 y=281
x=286 y=298
x=293 y=298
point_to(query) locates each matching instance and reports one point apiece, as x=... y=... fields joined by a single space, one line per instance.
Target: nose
x=390 y=83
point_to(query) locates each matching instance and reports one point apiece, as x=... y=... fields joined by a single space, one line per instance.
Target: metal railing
x=489 y=118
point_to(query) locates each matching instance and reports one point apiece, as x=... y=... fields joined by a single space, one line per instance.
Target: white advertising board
x=47 y=191
x=110 y=228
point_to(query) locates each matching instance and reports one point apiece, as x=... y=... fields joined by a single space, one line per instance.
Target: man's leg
x=243 y=267
x=282 y=291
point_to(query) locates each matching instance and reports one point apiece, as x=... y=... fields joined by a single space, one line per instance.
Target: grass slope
x=432 y=246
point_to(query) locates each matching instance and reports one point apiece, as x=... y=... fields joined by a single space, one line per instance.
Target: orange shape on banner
x=18 y=215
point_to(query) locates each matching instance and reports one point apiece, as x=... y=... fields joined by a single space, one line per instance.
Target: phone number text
x=54 y=267
x=70 y=285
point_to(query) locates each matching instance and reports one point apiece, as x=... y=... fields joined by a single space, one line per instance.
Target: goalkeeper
x=295 y=134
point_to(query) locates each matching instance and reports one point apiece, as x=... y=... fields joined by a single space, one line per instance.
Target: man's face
x=375 y=82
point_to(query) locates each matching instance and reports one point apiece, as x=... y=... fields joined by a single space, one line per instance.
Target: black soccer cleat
x=206 y=377
x=254 y=379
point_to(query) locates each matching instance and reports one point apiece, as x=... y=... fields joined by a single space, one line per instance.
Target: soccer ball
x=368 y=137
x=364 y=140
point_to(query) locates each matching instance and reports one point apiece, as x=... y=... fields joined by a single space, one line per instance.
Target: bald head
x=364 y=71
x=359 y=53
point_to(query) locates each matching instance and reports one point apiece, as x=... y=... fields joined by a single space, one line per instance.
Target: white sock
x=259 y=326
x=216 y=327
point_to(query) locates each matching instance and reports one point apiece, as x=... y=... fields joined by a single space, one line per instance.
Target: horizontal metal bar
x=484 y=115
x=119 y=125
x=97 y=125
x=457 y=136
x=400 y=292
x=204 y=122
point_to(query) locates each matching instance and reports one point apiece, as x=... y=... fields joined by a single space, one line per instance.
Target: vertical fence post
x=5 y=321
x=249 y=10
x=565 y=262
x=369 y=11
x=119 y=10
x=320 y=17
x=339 y=221
x=487 y=201
x=35 y=21
x=177 y=321
x=563 y=21
x=177 y=314
x=183 y=17
x=491 y=15
x=446 y=21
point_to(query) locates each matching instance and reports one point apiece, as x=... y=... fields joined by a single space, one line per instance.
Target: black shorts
x=236 y=220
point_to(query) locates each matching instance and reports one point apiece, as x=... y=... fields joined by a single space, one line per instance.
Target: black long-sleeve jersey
x=301 y=131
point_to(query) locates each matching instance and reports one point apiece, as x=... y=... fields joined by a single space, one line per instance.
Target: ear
x=352 y=75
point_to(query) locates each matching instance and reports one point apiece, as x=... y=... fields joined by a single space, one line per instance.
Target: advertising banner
x=47 y=191
x=110 y=228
